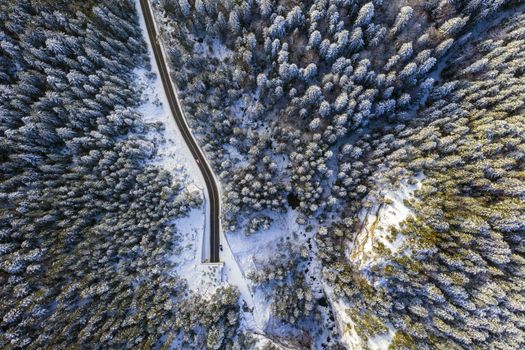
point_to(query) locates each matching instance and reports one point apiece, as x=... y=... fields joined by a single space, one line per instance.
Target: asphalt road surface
x=176 y=111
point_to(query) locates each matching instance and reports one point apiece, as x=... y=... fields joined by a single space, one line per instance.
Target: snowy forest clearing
x=256 y=251
x=376 y=221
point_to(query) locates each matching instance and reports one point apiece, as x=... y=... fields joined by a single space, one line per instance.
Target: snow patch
x=376 y=221
x=249 y=254
x=345 y=324
x=234 y=275
x=262 y=307
x=381 y=341
x=189 y=253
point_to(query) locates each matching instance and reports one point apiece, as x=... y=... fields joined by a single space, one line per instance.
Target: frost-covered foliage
x=312 y=99
x=291 y=300
x=269 y=83
x=458 y=280
x=86 y=220
x=280 y=277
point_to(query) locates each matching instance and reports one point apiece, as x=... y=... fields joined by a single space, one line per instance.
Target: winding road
x=176 y=111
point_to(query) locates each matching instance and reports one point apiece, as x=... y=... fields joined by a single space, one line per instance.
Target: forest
x=393 y=131
x=340 y=102
x=86 y=217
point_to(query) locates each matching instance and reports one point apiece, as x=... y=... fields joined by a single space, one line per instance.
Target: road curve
x=177 y=113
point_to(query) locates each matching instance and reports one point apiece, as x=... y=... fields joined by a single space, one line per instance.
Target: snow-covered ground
x=250 y=254
x=381 y=341
x=347 y=330
x=174 y=153
x=376 y=221
x=201 y=278
x=256 y=251
x=375 y=224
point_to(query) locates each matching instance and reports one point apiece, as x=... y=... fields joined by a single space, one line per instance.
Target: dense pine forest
x=86 y=219
x=392 y=132
x=342 y=105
